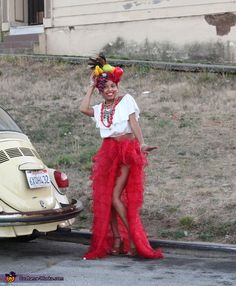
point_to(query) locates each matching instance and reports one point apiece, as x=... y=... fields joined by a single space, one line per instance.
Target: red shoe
x=118 y=247
x=132 y=252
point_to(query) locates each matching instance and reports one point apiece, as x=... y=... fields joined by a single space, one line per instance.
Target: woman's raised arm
x=85 y=106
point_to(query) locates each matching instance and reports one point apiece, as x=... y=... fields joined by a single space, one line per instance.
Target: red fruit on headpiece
x=118 y=72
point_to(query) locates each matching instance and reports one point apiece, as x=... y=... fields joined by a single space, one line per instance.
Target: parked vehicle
x=32 y=196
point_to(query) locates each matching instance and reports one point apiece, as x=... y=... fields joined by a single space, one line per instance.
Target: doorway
x=35 y=12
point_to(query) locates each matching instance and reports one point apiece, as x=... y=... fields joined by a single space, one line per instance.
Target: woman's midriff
x=122 y=137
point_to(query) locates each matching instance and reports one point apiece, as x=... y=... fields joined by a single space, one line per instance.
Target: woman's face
x=110 y=91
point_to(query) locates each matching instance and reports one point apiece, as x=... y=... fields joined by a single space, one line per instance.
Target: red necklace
x=111 y=114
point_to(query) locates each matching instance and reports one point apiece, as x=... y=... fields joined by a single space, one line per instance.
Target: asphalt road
x=47 y=259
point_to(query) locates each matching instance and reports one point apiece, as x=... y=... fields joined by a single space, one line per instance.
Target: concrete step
x=23 y=30
x=21 y=38
x=16 y=51
x=16 y=44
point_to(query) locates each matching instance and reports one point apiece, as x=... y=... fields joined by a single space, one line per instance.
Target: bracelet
x=91 y=84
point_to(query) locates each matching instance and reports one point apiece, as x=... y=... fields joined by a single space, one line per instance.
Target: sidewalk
x=202 y=249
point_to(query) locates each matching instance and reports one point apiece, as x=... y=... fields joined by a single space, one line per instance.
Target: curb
x=169 y=246
x=159 y=65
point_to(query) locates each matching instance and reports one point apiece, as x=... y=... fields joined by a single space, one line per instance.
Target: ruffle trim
x=106 y=169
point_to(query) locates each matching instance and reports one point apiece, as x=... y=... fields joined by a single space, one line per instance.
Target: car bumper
x=41 y=217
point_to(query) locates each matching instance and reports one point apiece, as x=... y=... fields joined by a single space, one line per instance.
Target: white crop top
x=120 y=124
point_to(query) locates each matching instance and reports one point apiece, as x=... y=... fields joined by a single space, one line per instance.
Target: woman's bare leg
x=117 y=242
x=117 y=204
x=119 y=187
x=114 y=224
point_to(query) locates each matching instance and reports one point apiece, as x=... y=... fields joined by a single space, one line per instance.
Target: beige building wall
x=87 y=12
x=84 y=27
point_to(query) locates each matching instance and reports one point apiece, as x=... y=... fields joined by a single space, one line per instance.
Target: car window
x=7 y=123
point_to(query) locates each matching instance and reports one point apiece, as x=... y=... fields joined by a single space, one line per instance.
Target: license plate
x=38 y=179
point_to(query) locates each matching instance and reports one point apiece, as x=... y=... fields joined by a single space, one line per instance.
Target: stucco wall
x=88 y=27
x=87 y=12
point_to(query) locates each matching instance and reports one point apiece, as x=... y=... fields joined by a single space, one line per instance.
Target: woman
x=117 y=175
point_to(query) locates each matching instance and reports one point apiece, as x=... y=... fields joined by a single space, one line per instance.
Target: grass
x=187 y=222
x=190 y=180
x=85 y=157
x=63 y=160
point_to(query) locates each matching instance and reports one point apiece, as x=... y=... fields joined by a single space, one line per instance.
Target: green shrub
x=187 y=222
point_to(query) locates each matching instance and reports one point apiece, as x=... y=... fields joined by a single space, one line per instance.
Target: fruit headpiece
x=103 y=71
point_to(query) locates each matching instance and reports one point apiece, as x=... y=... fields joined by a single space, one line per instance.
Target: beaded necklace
x=108 y=113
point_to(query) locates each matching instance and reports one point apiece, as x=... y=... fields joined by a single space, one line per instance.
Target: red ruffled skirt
x=106 y=168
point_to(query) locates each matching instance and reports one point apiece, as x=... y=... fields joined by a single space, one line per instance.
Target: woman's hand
x=145 y=148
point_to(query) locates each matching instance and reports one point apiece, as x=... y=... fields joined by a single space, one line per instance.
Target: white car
x=32 y=197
